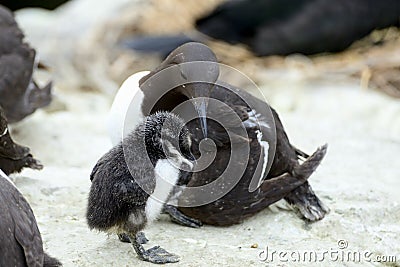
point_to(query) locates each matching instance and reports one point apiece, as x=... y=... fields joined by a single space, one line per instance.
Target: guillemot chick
x=132 y=182
x=14 y=157
x=20 y=240
x=20 y=95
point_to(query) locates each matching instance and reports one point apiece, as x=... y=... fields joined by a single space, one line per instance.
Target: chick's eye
x=181 y=143
x=181 y=138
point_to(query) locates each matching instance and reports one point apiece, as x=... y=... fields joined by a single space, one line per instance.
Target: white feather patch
x=4 y=133
x=167 y=176
x=256 y=118
x=265 y=147
x=126 y=113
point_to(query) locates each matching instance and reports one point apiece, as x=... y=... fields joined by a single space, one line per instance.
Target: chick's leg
x=140 y=237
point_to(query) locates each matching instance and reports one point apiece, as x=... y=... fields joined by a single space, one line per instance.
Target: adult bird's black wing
x=20 y=240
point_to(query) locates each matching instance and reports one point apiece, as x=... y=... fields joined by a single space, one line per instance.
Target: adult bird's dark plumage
x=14 y=157
x=287 y=178
x=20 y=239
x=282 y=27
x=20 y=95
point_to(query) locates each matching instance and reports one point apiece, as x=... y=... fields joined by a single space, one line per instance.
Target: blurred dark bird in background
x=282 y=27
x=20 y=240
x=18 y=4
x=20 y=95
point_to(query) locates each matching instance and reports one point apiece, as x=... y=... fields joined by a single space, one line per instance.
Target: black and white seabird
x=131 y=183
x=14 y=157
x=286 y=177
x=283 y=27
x=20 y=95
x=20 y=239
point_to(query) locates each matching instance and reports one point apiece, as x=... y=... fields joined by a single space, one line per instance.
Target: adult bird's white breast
x=126 y=113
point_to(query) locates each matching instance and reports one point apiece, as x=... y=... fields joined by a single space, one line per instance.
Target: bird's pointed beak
x=200 y=78
x=200 y=105
x=201 y=93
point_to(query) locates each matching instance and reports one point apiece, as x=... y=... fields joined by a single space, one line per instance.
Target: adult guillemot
x=267 y=161
x=20 y=239
x=131 y=183
x=20 y=96
x=13 y=157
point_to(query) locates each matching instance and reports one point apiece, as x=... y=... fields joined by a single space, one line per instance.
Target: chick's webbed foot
x=154 y=255
x=159 y=255
x=180 y=218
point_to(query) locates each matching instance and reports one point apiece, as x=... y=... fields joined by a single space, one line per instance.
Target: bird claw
x=313 y=212
x=159 y=255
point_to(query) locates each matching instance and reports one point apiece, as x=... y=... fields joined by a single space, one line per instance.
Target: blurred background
x=93 y=38
x=330 y=69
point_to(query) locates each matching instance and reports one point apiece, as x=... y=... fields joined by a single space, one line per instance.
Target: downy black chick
x=132 y=182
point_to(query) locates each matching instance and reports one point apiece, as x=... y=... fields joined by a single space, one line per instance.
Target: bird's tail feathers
x=278 y=187
x=304 y=170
